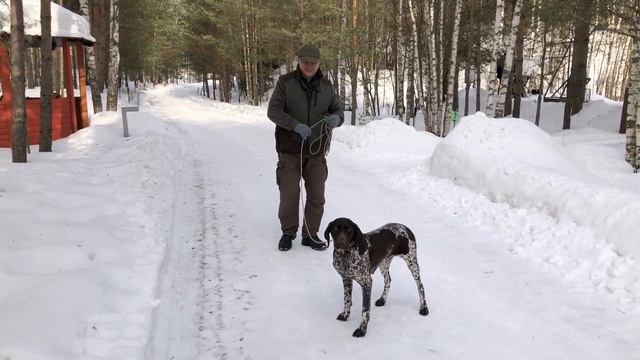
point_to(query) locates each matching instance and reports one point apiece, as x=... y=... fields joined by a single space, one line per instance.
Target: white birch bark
x=114 y=58
x=399 y=83
x=341 y=57
x=452 y=70
x=91 y=64
x=508 y=62
x=633 y=109
x=434 y=84
x=415 y=39
x=495 y=53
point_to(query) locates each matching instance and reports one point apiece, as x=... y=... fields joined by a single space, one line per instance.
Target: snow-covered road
x=228 y=293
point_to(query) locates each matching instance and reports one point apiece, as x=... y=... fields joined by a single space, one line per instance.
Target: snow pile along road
x=84 y=232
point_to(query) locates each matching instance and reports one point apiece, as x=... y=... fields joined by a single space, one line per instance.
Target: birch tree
x=46 y=67
x=19 y=124
x=495 y=53
x=543 y=29
x=114 y=58
x=633 y=111
x=634 y=82
x=452 y=70
x=508 y=62
x=342 y=53
x=354 y=61
x=434 y=88
x=417 y=53
x=398 y=57
x=91 y=63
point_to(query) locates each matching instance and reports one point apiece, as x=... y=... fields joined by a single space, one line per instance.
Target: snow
x=163 y=245
x=64 y=23
x=513 y=161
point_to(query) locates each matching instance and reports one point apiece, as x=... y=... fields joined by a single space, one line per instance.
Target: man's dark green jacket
x=296 y=100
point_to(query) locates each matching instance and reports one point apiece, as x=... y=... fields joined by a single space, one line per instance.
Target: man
x=305 y=110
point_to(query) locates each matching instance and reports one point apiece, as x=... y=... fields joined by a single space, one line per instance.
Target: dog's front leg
x=348 y=287
x=365 y=283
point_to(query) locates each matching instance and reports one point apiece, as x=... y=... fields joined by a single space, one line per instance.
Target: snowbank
x=387 y=136
x=513 y=161
x=83 y=234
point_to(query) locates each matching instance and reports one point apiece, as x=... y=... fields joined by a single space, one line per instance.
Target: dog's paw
x=342 y=317
x=359 y=332
x=380 y=302
x=424 y=311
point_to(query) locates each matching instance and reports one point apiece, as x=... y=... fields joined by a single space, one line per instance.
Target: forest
x=555 y=50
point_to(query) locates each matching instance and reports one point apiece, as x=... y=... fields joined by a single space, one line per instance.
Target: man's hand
x=332 y=120
x=303 y=130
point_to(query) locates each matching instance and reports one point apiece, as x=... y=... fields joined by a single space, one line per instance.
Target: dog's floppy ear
x=358 y=238
x=327 y=231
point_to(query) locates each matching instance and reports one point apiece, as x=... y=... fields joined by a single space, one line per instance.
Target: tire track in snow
x=206 y=291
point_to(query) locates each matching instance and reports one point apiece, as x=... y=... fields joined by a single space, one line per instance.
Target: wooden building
x=69 y=109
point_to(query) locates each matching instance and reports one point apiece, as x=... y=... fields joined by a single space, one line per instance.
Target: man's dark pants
x=314 y=173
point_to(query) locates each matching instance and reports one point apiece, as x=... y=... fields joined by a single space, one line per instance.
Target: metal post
x=125 y=124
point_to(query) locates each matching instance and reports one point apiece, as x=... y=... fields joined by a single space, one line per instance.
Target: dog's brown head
x=346 y=234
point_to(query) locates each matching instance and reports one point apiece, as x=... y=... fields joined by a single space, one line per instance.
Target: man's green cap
x=309 y=50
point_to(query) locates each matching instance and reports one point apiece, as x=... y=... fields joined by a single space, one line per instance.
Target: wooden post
x=84 y=116
x=68 y=77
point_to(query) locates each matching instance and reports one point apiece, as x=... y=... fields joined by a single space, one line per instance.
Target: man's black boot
x=314 y=242
x=285 y=242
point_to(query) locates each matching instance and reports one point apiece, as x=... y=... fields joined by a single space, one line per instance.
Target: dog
x=356 y=256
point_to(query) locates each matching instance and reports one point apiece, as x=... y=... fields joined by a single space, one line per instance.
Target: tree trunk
x=478 y=59
x=495 y=53
x=341 y=57
x=114 y=58
x=411 y=86
x=633 y=108
x=45 y=77
x=19 y=126
x=508 y=62
x=418 y=54
x=354 y=62
x=623 y=119
x=432 y=110
x=205 y=86
x=452 y=70
x=519 y=81
x=29 y=69
x=467 y=75
x=577 y=79
x=91 y=64
x=541 y=82
x=398 y=66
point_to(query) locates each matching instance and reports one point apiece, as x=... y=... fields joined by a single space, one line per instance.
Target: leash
x=324 y=130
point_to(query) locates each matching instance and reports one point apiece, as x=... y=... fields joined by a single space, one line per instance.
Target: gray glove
x=332 y=120
x=303 y=130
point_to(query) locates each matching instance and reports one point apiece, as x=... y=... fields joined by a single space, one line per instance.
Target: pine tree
x=577 y=79
x=19 y=127
x=45 y=77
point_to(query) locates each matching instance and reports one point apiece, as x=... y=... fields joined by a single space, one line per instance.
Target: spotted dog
x=356 y=256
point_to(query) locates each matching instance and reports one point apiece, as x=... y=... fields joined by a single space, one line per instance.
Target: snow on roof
x=64 y=23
